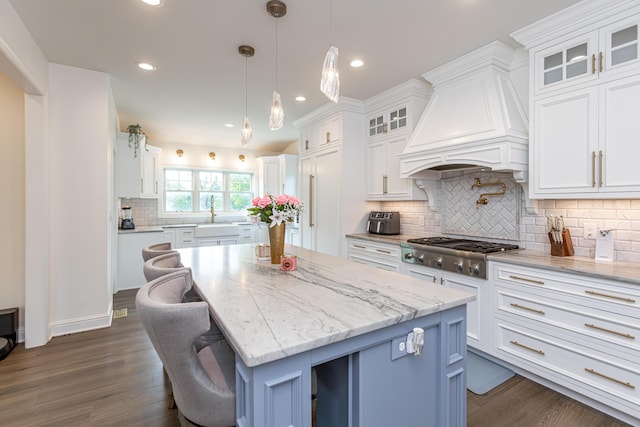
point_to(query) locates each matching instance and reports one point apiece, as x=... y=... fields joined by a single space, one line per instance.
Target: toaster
x=383 y=222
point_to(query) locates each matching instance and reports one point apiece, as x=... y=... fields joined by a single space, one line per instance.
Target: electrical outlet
x=589 y=230
x=398 y=347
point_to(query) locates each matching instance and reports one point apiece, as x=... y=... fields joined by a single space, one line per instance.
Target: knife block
x=562 y=249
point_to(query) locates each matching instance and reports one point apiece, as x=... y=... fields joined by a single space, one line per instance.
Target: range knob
x=438 y=261
x=458 y=265
x=408 y=255
x=421 y=259
x=475 y=269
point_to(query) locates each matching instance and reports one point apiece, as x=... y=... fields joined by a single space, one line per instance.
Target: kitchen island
x=348 y=321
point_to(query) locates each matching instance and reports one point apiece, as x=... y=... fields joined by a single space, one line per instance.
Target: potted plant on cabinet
x=136 y=136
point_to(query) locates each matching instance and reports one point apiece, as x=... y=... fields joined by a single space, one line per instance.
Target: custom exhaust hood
x=474 y=119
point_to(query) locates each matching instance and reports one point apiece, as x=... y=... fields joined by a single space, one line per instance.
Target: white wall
x=80 y=135
x=12 y=167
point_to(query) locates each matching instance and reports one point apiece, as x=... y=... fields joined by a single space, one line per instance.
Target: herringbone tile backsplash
x=498 y=219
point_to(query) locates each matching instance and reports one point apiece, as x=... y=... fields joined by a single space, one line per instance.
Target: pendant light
x=246 y=133
x=277 y=9
x=330 y=81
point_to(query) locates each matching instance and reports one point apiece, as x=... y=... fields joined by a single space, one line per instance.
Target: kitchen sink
x=215 y=230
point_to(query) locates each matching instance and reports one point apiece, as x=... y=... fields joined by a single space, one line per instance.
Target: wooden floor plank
x=113 y=377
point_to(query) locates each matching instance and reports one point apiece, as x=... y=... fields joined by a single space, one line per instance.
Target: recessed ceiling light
x=356 y=63
x=229 y=125
x=153 y=2
x=300 y=98
x=146 y=66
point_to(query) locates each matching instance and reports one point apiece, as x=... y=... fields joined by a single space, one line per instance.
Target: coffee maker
x=126 y=218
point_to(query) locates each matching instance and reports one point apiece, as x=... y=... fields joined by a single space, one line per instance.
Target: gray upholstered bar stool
x=203 y=381
x=152 y=251
x=161 y=265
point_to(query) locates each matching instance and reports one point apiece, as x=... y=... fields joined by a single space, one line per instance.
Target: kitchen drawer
x=608 y=379
x=186 y=242
x=595 y=325
x=376 y=254
x=375 y=249
x=186 y=233
x=245 y=239
x=601 y=294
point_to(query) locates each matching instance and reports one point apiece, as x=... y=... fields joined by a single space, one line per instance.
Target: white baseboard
x=81 y=324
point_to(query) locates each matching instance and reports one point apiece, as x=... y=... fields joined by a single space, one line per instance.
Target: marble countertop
x=143 y=229
x=617 y=270
x=267 y=314
x=394 y=239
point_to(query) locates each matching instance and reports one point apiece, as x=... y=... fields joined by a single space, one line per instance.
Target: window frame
x=195 y=192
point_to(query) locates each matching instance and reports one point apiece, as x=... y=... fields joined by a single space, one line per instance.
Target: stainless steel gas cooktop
x=461 y=256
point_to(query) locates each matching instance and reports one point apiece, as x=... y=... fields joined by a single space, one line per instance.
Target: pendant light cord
x=276 y=54
x=245 y=85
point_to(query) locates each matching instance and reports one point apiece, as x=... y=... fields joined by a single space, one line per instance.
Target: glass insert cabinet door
x=622 y=46
x=571 y=61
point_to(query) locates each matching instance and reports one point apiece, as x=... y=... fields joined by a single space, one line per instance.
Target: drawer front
x=606 y=295
x=593 y=324
x=378 y=250
x=599 y=376
x=246 y=230
x=186 y=233
x=389 y=266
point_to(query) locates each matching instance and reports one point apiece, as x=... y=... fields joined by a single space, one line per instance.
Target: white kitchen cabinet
x=293 y=236
x=379 y=255
x=136 y=177
x=580 y=333
x=217 y=234
x=130 y=262
x=185 y=237
x=217 y=241
x=479 y=326
x=320 y=133
x=585 y=92
x=391 y=119
x=247 y=232
x=331 y=182
x=607 y=52
x=584 y=142
x=268 y=175
x=278 y=175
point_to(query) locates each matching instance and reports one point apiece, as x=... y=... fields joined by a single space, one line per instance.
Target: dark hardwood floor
x=112 y=377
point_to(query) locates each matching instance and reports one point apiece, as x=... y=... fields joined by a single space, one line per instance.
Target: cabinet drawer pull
x=601 y=62
x=622 y=334
x=527 y=308
x=384 y=184
x=593 y=169
x=142 y=185
x=311 y=178
x=607 y=377
x=631 y=300
x=328 y=137
x=526 y=347
x=359 y=247
x=600 y=168
x=593 y=63
x=524 y=279
x=383 y=251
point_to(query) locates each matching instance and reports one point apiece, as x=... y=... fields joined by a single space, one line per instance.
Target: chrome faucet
x=213 y=214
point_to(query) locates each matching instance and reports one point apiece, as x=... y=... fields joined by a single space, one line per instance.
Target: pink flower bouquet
x=275 y=209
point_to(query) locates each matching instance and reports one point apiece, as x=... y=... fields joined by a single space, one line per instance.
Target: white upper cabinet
x=391 y=119
x=278 y=175
x=585 y=98
x=607 y=52
x=136 y=175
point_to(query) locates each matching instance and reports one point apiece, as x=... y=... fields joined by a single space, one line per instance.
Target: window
x=193 y=190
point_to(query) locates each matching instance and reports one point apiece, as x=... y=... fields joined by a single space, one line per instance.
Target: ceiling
x=199 y=84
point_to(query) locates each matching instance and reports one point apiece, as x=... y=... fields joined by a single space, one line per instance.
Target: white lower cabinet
x=478 y=318
x=380 y=255
x=580 y=333
x=247 y=233
x=130 y=262
x=293 y=236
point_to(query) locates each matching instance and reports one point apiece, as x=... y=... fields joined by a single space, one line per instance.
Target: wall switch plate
x=398 y=347
x=590 y=230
